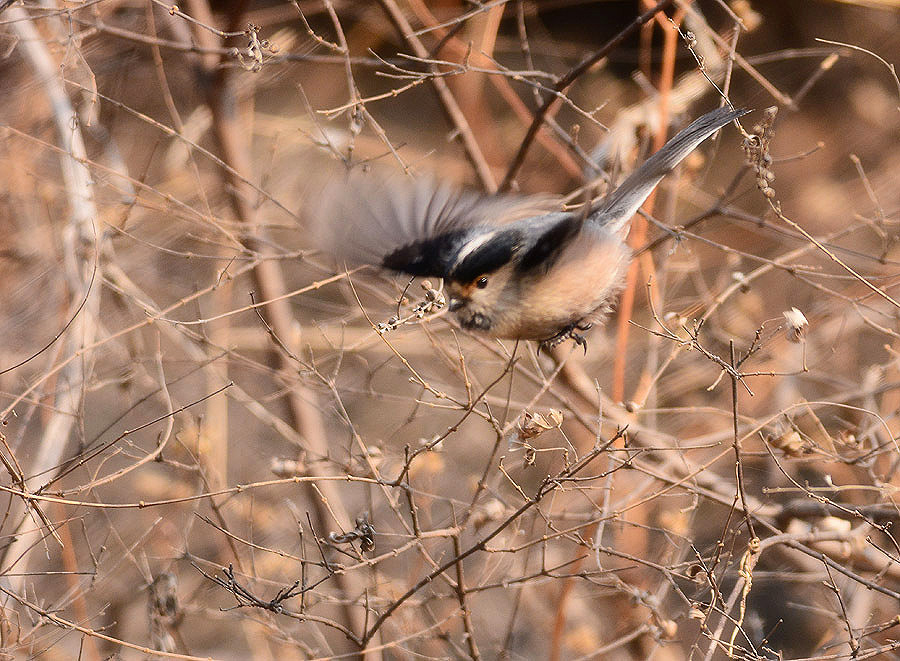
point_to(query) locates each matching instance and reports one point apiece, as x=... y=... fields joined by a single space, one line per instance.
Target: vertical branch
x=464 y=53
x=736 y=444
x=269 y=281
x=638 y=234
x=448 y=101
x=80 y=241
x=566 y=81
x=559 y=617
x=464 y=607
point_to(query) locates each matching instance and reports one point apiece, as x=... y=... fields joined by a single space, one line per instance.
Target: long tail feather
x=618 y=208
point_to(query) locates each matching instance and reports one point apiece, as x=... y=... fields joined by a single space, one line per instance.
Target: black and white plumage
x=515 y=267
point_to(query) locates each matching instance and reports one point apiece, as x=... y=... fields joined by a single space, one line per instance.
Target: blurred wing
x=415 y=226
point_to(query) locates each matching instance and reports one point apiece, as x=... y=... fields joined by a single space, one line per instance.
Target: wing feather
x=411 y=225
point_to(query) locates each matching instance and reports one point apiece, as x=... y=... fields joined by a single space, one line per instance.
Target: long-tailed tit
x=514 y=267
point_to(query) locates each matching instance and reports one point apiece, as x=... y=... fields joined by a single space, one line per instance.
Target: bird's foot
x=567 y=333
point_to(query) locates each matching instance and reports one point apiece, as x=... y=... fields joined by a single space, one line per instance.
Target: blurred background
x=214 y=444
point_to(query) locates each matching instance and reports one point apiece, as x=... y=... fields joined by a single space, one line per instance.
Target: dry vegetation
x=214 y=445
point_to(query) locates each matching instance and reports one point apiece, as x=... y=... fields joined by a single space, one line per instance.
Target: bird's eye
x=481 y=283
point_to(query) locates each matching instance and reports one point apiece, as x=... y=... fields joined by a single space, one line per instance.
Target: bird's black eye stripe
x=481 y=283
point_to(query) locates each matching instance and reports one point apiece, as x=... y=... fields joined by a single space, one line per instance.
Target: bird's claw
x=567 y=333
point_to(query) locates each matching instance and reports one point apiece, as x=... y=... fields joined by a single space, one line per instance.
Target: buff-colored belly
x=579 y=288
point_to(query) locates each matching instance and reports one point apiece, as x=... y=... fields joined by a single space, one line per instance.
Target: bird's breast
x=579 y=287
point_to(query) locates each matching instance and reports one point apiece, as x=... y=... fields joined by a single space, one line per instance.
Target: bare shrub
x=216 y=445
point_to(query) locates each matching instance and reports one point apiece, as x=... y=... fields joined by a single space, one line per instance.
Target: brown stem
x=269 y=281
x=445 y=96
x=570 y=77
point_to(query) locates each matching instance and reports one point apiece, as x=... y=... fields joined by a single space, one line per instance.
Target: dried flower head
x=535 y=424
x=756 y=147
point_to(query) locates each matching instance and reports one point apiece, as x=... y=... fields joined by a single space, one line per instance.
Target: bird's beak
x=455 y=304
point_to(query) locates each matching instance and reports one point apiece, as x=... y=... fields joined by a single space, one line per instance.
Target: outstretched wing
x=416 y=226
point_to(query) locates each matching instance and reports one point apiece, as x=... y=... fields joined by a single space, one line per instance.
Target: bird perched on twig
x=514 y=267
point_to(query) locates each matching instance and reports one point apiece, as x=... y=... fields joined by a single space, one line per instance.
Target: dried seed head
x=668 y=629
x=287 y=467
x=741 y=280
x=797 y=325
x=535 y=424
x=696 y=573
x=530 y=456
x=364 y=533
x=435 y=443
x=756 y=147
x=848 y=438
x=696 y=613
x=690 y=38
x=749 y=17
x=490 y=511
x=790 y=442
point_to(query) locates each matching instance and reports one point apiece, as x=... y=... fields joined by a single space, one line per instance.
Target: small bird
x=514 y=267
